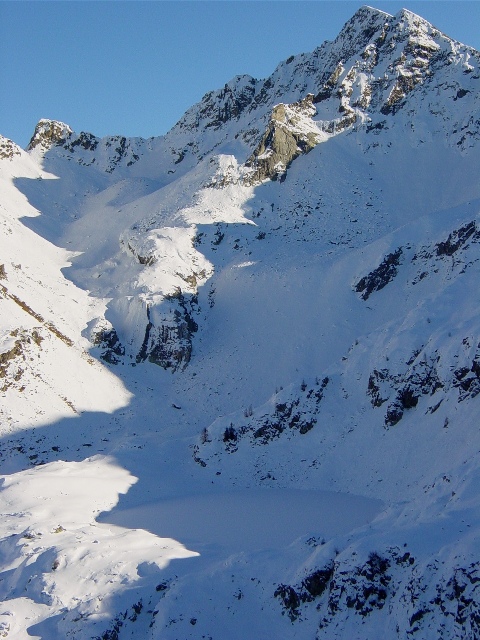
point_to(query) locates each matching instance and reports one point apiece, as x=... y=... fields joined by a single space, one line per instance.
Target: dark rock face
x=120 y=149
x=374 y=388
x=86 y=141
x=467 y=379
x=295 y=415
x=284 y=416
x=458 y=239
x=424 y=600
x=229 y=104
x=453 y=255
x=420 y=379
x=363 y=589
x=168 y=343
x=112 y=349
x=220 y=107
x=456 y=246
x=359 y=31
x=381 y=276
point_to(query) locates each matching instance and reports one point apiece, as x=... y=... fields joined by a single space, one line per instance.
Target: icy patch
x=251 y=519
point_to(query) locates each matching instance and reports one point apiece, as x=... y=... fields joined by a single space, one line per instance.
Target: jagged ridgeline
x=382 y=79
x=279 y=295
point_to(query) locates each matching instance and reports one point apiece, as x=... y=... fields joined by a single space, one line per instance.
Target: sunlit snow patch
x=55 y=557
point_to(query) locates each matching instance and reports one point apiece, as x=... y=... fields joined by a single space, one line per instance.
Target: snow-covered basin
x=250 y=519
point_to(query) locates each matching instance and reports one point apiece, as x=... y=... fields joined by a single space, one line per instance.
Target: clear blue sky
x=133 y=68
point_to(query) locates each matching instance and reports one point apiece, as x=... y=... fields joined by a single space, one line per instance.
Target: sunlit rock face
x=48 y=133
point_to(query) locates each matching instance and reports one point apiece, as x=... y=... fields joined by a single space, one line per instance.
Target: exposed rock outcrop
x=432 y=598
x=381 y=276
x=168 y=339
x=290 y=133
x=8 y=149
x=49 y=133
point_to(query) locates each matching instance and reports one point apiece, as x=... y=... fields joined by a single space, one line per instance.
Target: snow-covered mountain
x=240 y=363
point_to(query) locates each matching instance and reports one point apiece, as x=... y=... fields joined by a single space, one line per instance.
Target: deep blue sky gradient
x=133 y=68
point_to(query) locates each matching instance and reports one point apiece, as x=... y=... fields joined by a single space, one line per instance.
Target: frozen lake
x=250 y=519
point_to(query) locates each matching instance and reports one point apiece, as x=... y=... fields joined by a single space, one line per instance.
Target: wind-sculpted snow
x=242 y=334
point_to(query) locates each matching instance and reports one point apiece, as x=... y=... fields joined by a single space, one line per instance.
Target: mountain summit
x=269 y=311
x=48 y=133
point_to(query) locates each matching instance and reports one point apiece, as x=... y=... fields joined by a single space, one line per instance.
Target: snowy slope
x=254 y=345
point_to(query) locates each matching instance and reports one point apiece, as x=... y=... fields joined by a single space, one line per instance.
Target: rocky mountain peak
x=277 y=299
x=367 y=72
x=49 y=133
x=357 y=33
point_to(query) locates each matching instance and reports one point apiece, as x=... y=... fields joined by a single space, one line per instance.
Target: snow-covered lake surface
x=251 y=518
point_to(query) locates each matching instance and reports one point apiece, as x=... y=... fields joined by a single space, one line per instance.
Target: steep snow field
x=240 y=364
